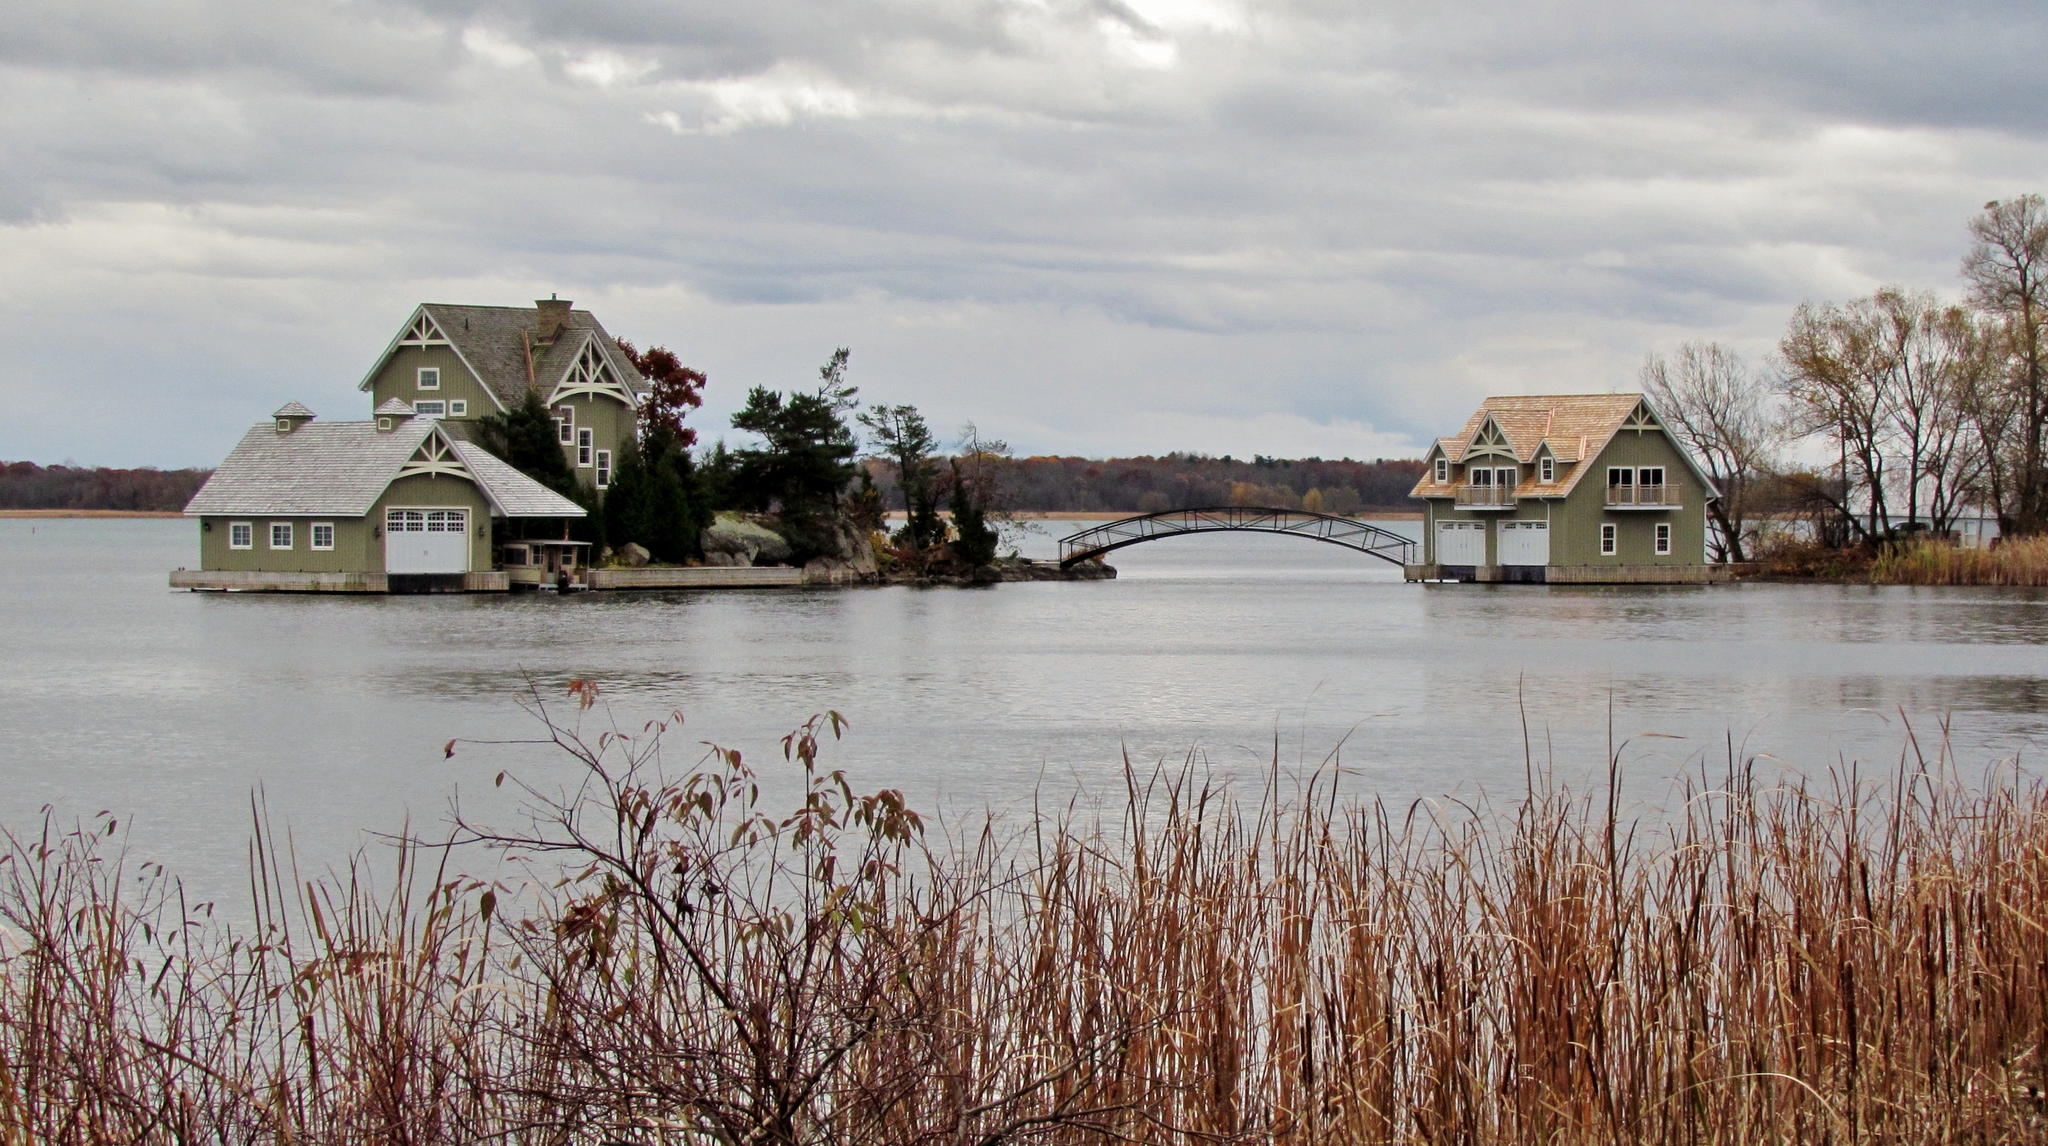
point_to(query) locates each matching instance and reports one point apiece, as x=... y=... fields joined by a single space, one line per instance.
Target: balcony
x=1643 y=496
x=1486 y=497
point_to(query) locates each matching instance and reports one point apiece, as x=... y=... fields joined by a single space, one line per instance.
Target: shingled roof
x=340 y=469
x=1572 y=427
x=496 y=343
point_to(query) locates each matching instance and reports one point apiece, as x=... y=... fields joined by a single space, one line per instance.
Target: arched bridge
x=1384 y=544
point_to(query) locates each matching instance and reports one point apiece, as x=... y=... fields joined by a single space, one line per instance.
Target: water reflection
x=116 y=693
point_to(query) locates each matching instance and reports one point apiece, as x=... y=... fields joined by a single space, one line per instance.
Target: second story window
x=1546 y=470
x=1443 y=470
x=430 y=377
x=604 y=469
x=565 y=423
x=584 y=447
x=429 y=409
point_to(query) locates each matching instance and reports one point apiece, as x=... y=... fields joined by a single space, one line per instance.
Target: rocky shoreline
x=841 y=552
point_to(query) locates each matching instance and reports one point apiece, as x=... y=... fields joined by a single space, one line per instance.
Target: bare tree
x=1720 y=409
x=2007 y=269
x=1836 y=378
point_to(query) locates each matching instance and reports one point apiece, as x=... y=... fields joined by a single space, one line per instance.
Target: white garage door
x=426 y=541
x=1461 y=543
x=1525 y=543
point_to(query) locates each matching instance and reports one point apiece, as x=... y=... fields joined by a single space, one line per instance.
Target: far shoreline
x=1020 y=515
x=53 y=513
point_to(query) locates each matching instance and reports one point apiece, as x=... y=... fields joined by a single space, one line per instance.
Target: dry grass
x=2016 y=561
x=1770 y=965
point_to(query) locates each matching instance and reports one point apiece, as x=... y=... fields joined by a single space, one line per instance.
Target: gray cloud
x=1127 y=225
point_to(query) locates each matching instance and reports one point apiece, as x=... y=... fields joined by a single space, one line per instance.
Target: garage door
x=1525 y=543
x=1461 y=543
x=426 y=541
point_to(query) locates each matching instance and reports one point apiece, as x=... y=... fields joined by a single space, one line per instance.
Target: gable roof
x=1573 y=427
x=501 y=347
x=340 y=469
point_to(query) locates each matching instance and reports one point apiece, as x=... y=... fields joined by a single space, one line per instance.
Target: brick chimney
x=554 y=315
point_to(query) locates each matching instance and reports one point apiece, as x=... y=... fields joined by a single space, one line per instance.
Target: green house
x=460 y=363
x=313 y=506
x=1564 y=489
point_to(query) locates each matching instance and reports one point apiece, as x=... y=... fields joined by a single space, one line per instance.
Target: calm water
x=173 y=708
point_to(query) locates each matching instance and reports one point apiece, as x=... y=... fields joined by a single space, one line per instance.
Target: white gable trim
x=436 y=456
x=402 y=338
x=1644 y=419
x=591 y=373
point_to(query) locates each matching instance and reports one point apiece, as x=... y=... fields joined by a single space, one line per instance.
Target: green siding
x=399 y=378
x=351 y=552
x=612 y=425
x=1575 y=521
x=358 y=542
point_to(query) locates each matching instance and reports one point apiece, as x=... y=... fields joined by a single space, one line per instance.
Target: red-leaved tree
x=673 y=391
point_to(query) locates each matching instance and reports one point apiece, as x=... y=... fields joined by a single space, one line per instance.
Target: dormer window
x=1443 y=470
x=284 y=425
x=1546 y=469
x=430 y=377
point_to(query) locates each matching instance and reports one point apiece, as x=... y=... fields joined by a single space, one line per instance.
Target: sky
x=1097 y=227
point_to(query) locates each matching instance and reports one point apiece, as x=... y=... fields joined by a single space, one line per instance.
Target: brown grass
x=1769 y=964
x=2016 y=561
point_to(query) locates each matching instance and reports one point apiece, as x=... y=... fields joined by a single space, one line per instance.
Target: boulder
x=731 y=539
x=634 y=554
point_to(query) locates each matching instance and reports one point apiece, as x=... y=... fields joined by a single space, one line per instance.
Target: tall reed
x=2016 y=561
x=1193 y=964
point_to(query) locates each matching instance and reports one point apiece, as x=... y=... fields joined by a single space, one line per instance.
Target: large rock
x=734 y=540
x=634 y=555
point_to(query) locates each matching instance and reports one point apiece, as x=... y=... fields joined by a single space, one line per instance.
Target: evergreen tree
x=656 y=500
x=526 y=437
x=808 y=456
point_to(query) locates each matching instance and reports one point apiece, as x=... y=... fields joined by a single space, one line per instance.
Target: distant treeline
x=1151 y=484
x=26 y=485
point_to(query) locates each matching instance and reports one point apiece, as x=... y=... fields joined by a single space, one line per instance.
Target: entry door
x=1525 y=543
x=1461 y=542
x=426 y=541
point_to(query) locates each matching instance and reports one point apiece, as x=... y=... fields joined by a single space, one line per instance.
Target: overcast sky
x=1110 y=227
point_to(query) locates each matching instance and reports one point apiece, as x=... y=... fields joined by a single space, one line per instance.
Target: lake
x=1239 y=652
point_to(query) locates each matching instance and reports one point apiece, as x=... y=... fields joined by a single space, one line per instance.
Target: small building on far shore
x=392 y=503
x=1564 y=489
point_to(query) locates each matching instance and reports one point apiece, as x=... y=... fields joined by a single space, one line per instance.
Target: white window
x=429 y=409
x=604 y=469
x=584 y=444
x=280 y=535
x=1505 y=478
x=284 y=425
x=405 y=521
x=430 y=377
x=1663 y=538
x=1620 y=477
x=1443 y=470
x=241 y=535
x=1650 y=475
x=383 y=423
x=565 y=423
x=323 y=535
x=1607 y=541
x=458 y=408
x=1546 y=470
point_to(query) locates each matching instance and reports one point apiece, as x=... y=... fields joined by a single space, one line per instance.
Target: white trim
x=384 y=423
x=426 y=372
x=430 y=408
x=287 y=527
x=1610 y=539
x=419 y=312
x=284 y=425
x=1546 y=469
x=1628 y=472
x=313 y=535
x=604 y=469
x=458 y=408
x=1663 y=539
x=586 y=444
x=248 y=529
x=565 y=424
x=1443 y=470
x=434 y=456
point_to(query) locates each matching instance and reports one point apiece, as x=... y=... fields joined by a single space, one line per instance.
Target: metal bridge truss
x=1381 y=543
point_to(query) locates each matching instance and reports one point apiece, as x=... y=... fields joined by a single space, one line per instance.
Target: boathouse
x=396 y=503
x=1564 y=489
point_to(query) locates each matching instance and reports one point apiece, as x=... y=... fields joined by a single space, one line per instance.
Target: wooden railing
x=1486 y=497
x=1643 y=496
